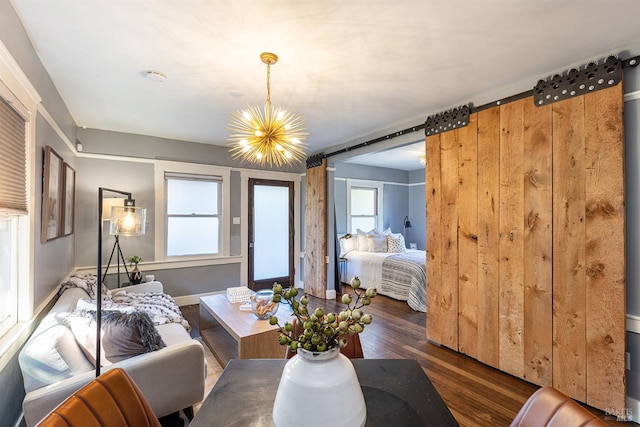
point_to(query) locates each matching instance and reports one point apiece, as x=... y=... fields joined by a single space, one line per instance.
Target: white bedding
x=368 y=266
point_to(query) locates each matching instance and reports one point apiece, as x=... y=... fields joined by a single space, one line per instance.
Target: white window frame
x=357 y=183
x=16 y=88
x=160 y=168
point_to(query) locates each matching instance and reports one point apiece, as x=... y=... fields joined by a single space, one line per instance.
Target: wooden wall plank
x=511 y=270
x=605 y=260
x=488 y=122
x=538 y=243
x=448 y=301
x=315 y=231
x=437 y=295
x=569 y=299
x=468 y=238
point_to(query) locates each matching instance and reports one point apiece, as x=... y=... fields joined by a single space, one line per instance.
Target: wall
x=133 y=171
x=53 y=260
x=403 y=195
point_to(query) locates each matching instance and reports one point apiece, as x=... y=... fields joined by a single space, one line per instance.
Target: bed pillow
x=395 y=243
x=347 y=244
x=377 y=243
x=124 y=335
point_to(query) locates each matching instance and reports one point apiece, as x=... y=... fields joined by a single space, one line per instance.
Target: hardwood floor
x=476 y=394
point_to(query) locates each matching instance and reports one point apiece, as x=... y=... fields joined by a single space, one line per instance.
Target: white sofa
x=54 y=366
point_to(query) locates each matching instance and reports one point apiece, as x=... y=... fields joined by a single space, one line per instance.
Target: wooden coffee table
x=233 y=334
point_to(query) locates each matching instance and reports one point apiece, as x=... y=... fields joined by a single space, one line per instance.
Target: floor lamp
x=127 y=220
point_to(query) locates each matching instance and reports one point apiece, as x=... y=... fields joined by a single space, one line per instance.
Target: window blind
x=13 y=161
x=192 y=176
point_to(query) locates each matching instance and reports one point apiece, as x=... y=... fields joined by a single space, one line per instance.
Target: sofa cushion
x=124 y=335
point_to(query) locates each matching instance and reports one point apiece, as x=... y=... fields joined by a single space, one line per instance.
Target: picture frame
x=51 y=195
x=69 y=199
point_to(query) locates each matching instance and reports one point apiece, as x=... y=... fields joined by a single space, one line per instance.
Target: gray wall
x=632 y=179
x=55 y=259
x=137 y=177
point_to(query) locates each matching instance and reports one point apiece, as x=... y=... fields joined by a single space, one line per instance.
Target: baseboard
x=632 y=410
x=633 y=323
x=193 y=299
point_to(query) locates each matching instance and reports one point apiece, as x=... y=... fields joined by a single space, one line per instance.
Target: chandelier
x=271 y=135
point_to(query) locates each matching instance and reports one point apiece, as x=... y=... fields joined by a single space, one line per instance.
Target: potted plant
x=135 y=276
x=319 y=369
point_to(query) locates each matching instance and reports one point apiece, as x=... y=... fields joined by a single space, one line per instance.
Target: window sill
x=176 y=263
x=14 y=339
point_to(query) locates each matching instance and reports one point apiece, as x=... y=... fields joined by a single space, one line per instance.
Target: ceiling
x=351 y=68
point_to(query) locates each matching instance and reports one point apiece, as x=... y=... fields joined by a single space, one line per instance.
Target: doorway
x=271 y=233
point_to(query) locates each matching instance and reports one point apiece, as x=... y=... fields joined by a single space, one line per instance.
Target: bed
x=401 y=276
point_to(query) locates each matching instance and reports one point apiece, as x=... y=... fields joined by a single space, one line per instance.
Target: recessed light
x=155 y=76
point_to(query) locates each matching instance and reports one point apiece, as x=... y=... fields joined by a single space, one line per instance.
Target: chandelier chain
x=268 y=84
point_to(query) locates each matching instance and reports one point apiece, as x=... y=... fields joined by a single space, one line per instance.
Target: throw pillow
x=347 y=244
x=377 y=243
x=395 y=243
x=363 y=244
x=124 y=335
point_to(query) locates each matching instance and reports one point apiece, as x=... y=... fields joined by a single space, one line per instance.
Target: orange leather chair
x=353 y=349
x=550 y=408
x=111 y=400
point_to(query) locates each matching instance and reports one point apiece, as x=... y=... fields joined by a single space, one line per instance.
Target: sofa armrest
x=141 y=288
x=170 y=379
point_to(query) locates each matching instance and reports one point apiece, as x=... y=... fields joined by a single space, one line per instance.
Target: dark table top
x=396 y=391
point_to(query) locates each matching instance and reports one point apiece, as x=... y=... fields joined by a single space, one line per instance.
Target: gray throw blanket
x=160 y=307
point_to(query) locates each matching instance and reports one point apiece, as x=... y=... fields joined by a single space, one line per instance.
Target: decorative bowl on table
x=262 y=304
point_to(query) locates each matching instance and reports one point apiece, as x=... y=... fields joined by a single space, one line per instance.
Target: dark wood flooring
x=476 y=394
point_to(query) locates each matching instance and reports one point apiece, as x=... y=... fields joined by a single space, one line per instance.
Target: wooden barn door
x=525 y=243
x=315 y=231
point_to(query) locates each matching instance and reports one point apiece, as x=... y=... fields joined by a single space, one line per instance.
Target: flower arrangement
x=322 y=331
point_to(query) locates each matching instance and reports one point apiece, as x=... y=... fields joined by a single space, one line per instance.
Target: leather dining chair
x=353 y=349
x=548 y=407
x=111 y=400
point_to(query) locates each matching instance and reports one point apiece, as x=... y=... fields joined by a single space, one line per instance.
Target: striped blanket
x=404 y=277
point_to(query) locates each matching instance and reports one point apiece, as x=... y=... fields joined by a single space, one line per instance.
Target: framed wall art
x=51 y=195
x=69 y=199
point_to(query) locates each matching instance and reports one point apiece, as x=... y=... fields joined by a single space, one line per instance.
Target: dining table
x=397 y=393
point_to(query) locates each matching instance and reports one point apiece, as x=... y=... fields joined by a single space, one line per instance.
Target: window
x=364 y=205
x=15 y=300
x=8 y=277
x=193 y=214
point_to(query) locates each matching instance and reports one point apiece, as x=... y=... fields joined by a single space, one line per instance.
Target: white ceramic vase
x=319 y=389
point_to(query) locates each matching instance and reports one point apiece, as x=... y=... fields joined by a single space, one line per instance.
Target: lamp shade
x=108 y=203
x=128 y=221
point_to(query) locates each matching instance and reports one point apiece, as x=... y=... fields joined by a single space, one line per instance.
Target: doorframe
x=298 y=257
x=289 y=279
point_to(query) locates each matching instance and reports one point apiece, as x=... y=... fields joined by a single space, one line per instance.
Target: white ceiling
x=351 y=68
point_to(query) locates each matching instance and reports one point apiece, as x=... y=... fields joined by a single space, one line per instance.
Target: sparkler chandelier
x=271 y=135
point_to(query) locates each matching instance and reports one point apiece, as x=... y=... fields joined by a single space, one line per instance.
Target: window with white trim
x=13 y=214
x=193 y=214
x=364 y=205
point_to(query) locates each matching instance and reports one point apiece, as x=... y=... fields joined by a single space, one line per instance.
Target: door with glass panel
x=271 y=233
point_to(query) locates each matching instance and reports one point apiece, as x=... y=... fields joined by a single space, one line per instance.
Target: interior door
x=271 y=233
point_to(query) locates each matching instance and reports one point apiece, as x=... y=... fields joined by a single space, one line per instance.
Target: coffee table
x=396 y=391
x=234 y=334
